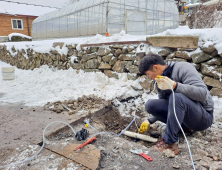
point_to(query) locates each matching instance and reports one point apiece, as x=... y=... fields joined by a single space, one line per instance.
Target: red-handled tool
x=140 y=152
x=85 y=143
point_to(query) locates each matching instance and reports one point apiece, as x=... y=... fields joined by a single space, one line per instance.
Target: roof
x=83 y=4
x=22 y=9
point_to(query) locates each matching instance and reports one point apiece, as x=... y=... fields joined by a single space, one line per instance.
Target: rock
x=63 y=57
x=200 y=57
x=119 y=66
x=216 y=92
x=110 y=74
x=164 y=52
x=117 y=52
x=210 y=70
x=212 y=82
x=196 y=158
x=215 y=158
x=72 y=112
x=93 y=49
x=197 y=66
x=79 y=53
x=107 y=58
x=60 y=44
x=172 y=55
x=76 y=66
x=176 y=60
x=202 y=152
x=75 y=104
x=133 y=69
x=145 y=82
x=99 y=58
x=71 y=52
x=71 y=46
x=87 y=57
x=182 y=54
x=93 y=64
x=92 y=70
x=214 y=54
x=205 y=162
x=125 y=50
x=168 y=153
x=16 y=38
x=199 y=167
x=209 y=50
x=113 y=60
x=104 y=66
x=103 y=51
x=176 y=166
x=132 y=76
x=216 y=166
x=215 y=61
x=173 y=41
x=127 y=57
x=128 y=63
x=139 y=56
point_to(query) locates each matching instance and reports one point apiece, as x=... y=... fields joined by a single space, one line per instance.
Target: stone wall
x=114 y=59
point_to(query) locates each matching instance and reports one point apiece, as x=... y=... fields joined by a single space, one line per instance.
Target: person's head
x=152 y=65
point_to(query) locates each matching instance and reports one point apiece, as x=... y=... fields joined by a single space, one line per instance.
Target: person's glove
x=144 y=127
x=164 y=83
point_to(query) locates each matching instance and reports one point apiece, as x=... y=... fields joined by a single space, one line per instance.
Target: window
x=17 y=24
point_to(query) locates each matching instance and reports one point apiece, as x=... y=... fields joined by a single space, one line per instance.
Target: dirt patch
x=82 y=103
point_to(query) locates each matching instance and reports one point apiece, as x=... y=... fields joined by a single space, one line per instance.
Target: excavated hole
x=109 y=120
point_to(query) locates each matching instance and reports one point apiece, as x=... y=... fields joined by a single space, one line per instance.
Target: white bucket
x=8 y=73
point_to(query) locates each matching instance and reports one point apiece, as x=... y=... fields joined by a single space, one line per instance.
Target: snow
x=208 y=35
x=18 y=34
x=42 y=85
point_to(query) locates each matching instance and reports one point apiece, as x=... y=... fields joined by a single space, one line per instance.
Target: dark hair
x=148 y=61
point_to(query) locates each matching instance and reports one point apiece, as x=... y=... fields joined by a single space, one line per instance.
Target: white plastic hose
x=180 y=125
x=28 y=159
x=43 y=136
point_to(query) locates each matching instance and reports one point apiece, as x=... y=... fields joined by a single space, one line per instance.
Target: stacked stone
x=115 y=59
x=206 y=60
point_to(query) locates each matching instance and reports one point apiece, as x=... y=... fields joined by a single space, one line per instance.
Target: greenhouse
x=91 y=17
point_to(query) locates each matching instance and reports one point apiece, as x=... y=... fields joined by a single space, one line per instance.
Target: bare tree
x=205 y=16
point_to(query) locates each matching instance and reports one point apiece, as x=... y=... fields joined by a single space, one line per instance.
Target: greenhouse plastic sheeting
x=90 y=17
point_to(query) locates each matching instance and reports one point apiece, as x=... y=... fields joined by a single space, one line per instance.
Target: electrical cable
x=28 y=159
x=180 y=125
x=43 y=136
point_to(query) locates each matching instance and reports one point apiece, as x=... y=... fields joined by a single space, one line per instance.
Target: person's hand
x=165 y=83
x=144 y=127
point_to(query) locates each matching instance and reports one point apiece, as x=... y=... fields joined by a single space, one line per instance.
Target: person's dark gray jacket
x=189 y=83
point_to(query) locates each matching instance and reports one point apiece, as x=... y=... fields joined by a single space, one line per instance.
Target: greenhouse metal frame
x=91 y=17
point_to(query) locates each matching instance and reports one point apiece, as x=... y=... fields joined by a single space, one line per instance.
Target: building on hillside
x=18 y=18
x=10 y=23
x=89 y=17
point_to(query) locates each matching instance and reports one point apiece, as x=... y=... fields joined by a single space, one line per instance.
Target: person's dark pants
x=189 y=113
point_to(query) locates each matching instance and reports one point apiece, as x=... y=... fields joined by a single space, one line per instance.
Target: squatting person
x=193 y=103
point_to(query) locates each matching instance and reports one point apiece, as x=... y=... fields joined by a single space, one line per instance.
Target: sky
x=22 y=9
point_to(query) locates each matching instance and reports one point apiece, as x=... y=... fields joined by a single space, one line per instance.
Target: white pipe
x=140 y=136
